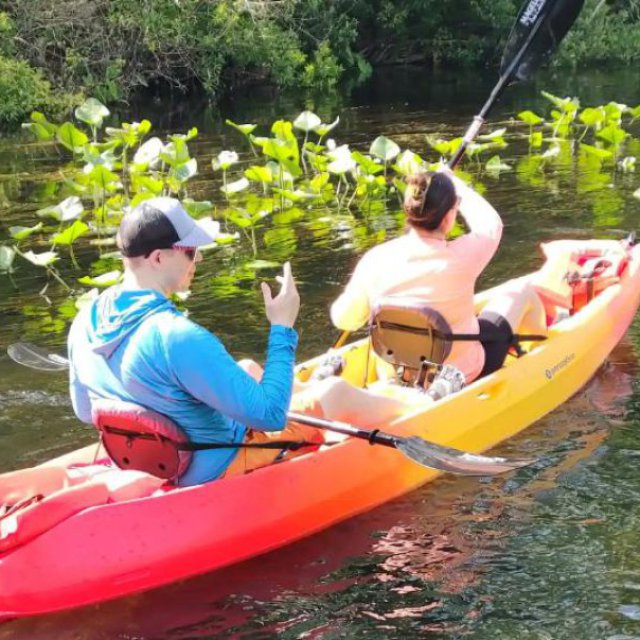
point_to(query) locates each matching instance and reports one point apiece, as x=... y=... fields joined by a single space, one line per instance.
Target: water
x=549 y=552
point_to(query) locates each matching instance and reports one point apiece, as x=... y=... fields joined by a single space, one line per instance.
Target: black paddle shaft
x=373 y=436
x=543 y=22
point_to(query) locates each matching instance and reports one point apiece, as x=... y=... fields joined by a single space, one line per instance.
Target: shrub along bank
x=53 y=49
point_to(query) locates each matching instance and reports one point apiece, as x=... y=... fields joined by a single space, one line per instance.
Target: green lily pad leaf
x=147 y=186
x=259 y=174
x=564 y=104
x=384 y=148
x=7 y=256
x=408 y=163
x=613 y=134
x=71 y=137
x=295 y=196
x=635 y=113
x=628 y=164
x=71 y=233
x=319 y=182
x=196 y=208
x=235 y=187
x=307 y=121
x=239 y=218
x=530 y=118
x=495 y=166
x=283 y=130
x=323 y=129
x=601 y=154
x=367 y=165
x=87 y=298
x=41 y=259
x=342 y=160
x=92 y=112
x=552 y=152
x=149 y=152
x=256 y=265
x=40 y=126
x=104 y=280
x=224 y=160
x=102 y=178
x=493 y=135
x=227 y=238
x=285 y=152
x=68 y=209
x=613 y=111
x=187 y=170
x=244 y=129
x=535 y=139
x=20 y=233
x=591 y=116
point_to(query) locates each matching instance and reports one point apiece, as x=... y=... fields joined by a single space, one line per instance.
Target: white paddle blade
x=34 y=357
x=434 y=456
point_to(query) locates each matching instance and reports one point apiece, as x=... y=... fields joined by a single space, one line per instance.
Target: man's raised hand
x=283 y=309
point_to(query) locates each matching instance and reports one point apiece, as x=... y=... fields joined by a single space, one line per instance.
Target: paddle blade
x=34 y=357
x=434 y=456
x=551 y=20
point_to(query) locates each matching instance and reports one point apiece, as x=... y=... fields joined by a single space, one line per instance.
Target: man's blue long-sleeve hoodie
x=134 y=345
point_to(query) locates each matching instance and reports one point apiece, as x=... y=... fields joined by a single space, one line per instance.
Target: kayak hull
x=111 y=550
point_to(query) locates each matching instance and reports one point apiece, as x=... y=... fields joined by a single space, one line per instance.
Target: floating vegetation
x=295 y=169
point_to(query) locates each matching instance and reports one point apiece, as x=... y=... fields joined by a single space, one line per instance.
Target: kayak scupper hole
x=126 y=460
x=162 y=466
x=389 y=352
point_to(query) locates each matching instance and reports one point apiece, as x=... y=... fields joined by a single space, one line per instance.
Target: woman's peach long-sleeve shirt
x=442 y=273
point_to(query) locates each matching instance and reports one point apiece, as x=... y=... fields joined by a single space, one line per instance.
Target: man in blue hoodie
x=133 y=344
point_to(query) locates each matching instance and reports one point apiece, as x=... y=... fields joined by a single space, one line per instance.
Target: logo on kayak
x=559 y=366
x=531 y=12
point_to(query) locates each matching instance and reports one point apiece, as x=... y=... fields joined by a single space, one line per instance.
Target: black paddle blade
x=557 y=16
x=35 y=357
x=433 y=456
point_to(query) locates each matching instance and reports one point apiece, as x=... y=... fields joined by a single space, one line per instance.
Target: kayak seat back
x=411 y=336
x=141 y=439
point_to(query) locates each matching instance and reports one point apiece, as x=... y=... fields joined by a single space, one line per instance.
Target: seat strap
x=457 y=337
x=292 y=445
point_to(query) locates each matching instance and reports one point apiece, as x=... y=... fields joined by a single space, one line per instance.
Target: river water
x=549 y=552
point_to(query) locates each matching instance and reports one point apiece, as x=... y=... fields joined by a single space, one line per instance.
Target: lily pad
x=71 y=233
x=149 y=152
x=323 y=129
x=103 y=280
x=259 y=174
x=43 y=259
x=307 y=121
x=235 y=187
x=384 y=148
x=7 y=256
x=71 y=137
x=20 y=233
x=224 y=160
x=530 y=118
x=69 y=209
x=245 y=129
x=92 y=112
x=495 y=165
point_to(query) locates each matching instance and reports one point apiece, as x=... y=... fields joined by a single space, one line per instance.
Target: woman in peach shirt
x=423 y=264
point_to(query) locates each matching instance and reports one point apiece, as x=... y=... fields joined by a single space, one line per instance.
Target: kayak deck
x=119 y=547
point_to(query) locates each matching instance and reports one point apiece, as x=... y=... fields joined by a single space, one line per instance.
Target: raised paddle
x=428 y=454
x=538 y=30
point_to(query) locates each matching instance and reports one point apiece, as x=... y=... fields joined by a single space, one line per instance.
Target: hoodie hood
x=117 y=312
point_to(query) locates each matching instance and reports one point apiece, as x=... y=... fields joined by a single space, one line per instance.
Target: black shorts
x=496 y=336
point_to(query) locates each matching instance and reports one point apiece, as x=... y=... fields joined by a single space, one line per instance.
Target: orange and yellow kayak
x=101 y=533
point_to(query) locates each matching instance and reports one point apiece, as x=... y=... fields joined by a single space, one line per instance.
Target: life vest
x=570 y=278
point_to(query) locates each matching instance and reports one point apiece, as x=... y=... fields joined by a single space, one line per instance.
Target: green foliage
x=23 y=89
